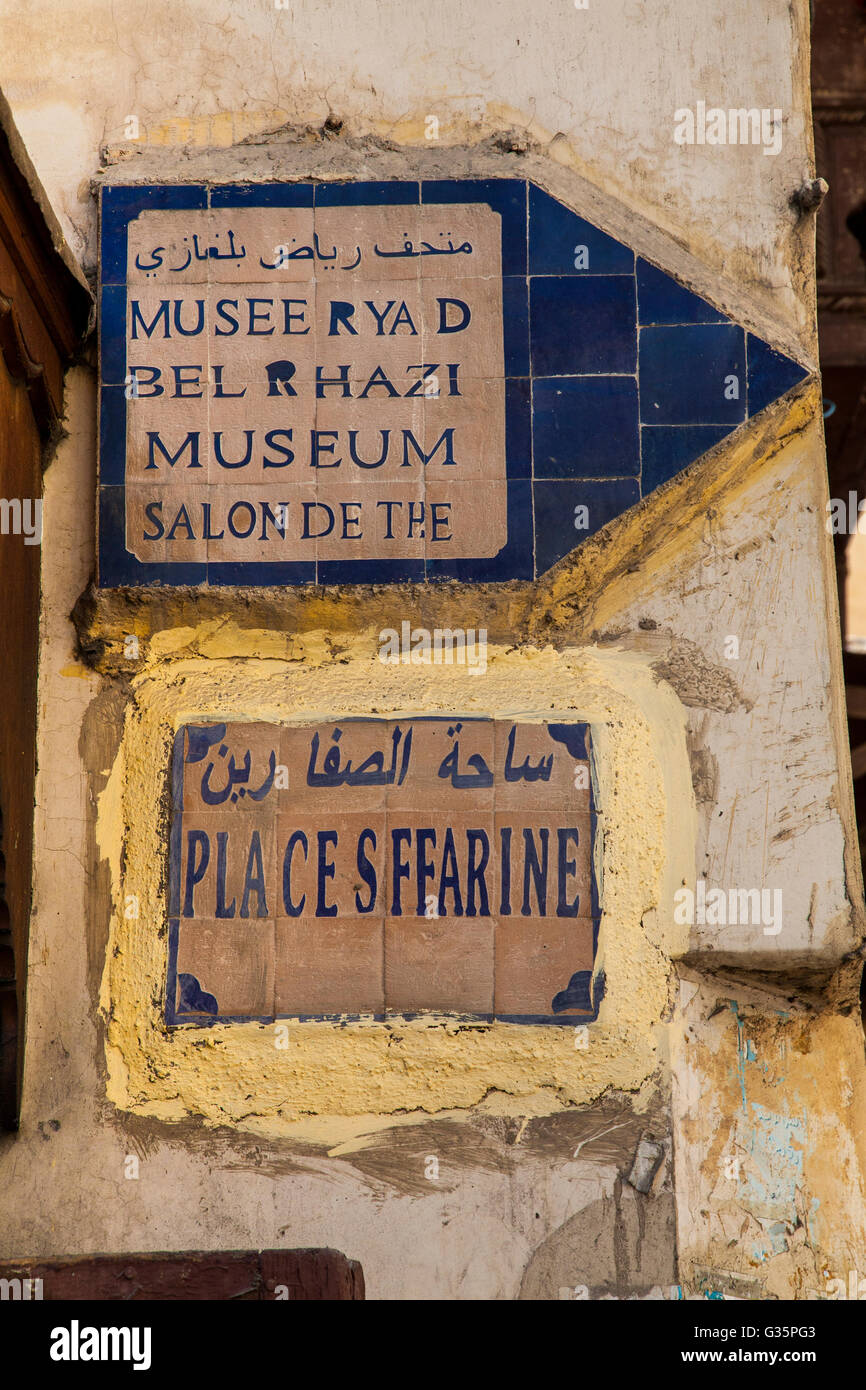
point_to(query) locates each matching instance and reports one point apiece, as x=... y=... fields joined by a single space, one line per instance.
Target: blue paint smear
x=194 y=999
x=576 y=995
x=201 y=739
x=776 y=1148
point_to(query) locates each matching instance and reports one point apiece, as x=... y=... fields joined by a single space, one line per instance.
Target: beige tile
x=269 y=238
x=332 y=966
x=243 y=766
x=531 y=892
x=154 y=320
x=260 y=523
x=304 y=750
x=369 y=431
x=464 y=435
x=381 y=519
x=466 y=520
x=440 y=862
x=228 y=866
x=331 y=863
x=174 y=244
x=234 y=965
x=355 y=233
x=429 y=784
x=535 y=960
x=468 y=331
x=157 y=431
x=251 y=326
x=259 y=440
x=165 y=328
x=165 y=523
x=388 y=336
x=455 y=225
x=534 y=747
x=439 y=966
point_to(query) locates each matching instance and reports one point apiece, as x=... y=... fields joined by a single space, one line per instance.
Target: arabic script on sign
x=370 y=866
x=315 y=385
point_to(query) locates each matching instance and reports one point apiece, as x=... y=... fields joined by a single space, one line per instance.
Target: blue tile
x=341 y=195
x=667 y=449
x=661 y=300
x=120 y=203
x=505 y=196
x=112 y=335
x=582 y=325
x=771 y=374
x=685 y=373
x=252 y=572
x=515 y=325
x=514 y=560
x=177 y=573
x=124 y=201
x=112 y=435
x=557 y=235
x=518 y=428
x=262 y=195
x=113 y=555
x=585 y=427
x=171 y=980
x=542 y=1020
x=576 y=995
x=394 y=571
x=556 y=510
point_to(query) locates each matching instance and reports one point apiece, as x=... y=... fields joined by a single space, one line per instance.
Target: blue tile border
x=506 y=196
x=515 y=324
x=120 y=204
x=514 y=560
x=396 y=571
x=349 y=194
x=770 y=374
x=518 y=427
x=117 y=566
x=583 y=325
x=262 y=195
x=249 y=573
x=112 y=337
x=667 y=450
x=556 y=504
x=587 y=986
x=584 y=339
x=112 y=435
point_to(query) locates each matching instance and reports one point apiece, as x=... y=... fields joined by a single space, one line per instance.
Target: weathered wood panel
x=216 y=1276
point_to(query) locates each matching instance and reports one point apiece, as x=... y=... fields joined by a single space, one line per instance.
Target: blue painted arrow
x=634 y=377
x=616 y=377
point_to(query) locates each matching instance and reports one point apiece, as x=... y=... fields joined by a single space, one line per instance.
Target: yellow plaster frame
x=234 y=1074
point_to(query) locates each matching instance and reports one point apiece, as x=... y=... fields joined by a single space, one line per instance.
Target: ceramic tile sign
x=374 y=382
x=377 y=868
